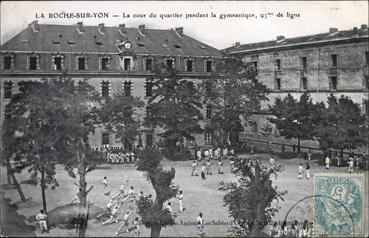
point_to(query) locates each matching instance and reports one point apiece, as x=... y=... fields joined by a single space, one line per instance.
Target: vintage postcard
x=184 y=118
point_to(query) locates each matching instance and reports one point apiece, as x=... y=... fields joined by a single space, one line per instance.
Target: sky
x=268 y=21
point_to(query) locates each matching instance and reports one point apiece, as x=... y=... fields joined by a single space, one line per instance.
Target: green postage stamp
x=339 y=204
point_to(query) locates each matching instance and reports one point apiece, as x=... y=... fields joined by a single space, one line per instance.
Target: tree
x=174 y=106
x=31 y=132
x=152 y=213
x=249 y=200
x=295 y=119
x=118 y=115
x=342 y=126
x=234 y=97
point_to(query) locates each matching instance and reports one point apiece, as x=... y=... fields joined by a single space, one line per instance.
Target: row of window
x=33 y=63
x=333 y=81
x=304 y=62
x=127 y=87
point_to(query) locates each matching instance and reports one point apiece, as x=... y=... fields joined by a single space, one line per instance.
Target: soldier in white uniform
x=41 y=218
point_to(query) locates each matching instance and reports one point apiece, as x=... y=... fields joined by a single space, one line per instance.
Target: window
x=304 y=62
x=105 y=63
x=333 y=83
x=149 y=139
x=81 y=63
x=7 y=62
x=149 y=85
x=278 y=64
x=189 y=65
x=366 y=82
x=8 y=87
x=208 y=111
x=127 y=64
x=169 y=64
x=207 y=137
x=209 y=66
x=254 y=64
x=334 y=60
x=105 y=138
x=148 y=65
x=365 y=106
x=58 y=62
x=304 y=85
x=277 y=84
x=105 y=88
x=33 y=62
x=127 y=89
x=367 y=58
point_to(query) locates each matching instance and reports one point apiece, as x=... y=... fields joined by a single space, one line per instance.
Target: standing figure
x=41 y=218
x=307 y=170
x=203 y=170
x=208 y=166
x=105 y=186
x=199 y=157
x=193 y=167
x=300 y=170
x=200 y=225
x=220 y=167
x=327 y=162
x=309 y=155
x=180 y=200
x=351 y=165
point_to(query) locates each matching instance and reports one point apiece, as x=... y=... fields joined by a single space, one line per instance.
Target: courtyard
x=199 y=196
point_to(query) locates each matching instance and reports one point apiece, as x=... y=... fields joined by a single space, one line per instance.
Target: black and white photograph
x=184 y=119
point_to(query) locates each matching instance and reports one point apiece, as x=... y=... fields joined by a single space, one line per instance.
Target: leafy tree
x=31 y=132
x=342 y=126
x=234 y=97
x=249 y=200
x=118 y=115
x=295 y=119
x=151 y=211
x=174 y=106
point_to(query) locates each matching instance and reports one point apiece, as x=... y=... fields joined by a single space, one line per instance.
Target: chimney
x=332 y=30
x=34 y=26
x=354 y=30
x=237 y=44
x=364 y=27
x=280 y=38
x=122 y=29
x=179 y=31
x=80 y=27
x=142 y=29
x=101 y=28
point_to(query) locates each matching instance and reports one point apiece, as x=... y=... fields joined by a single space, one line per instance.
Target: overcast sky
x=314 y=17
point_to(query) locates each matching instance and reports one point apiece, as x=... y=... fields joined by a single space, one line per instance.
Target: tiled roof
x=66 y=38
x=310 y=39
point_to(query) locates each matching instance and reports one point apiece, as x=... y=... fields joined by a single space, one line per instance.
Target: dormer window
x=8 y=62
x=33 y=62
x=58 y=62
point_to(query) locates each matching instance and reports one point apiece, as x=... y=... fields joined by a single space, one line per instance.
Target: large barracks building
x=111 y=58
x=331 y=62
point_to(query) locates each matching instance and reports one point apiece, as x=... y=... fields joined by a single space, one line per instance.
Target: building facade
x=111 y=58
x=332 y=62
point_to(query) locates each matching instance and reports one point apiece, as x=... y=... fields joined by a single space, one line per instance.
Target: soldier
x=41 y=218
x=193 y=167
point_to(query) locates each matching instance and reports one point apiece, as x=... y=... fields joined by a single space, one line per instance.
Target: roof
x=66 y=38
x=302 y=40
